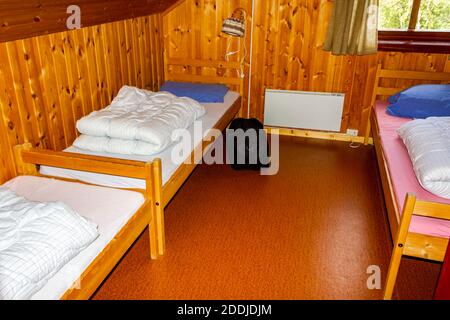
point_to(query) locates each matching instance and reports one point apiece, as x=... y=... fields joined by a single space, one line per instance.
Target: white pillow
x=428 y=144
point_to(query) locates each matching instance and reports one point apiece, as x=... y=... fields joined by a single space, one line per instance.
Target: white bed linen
x=109 y=208
x=428 y=144
x=137 y=121
x=214 y=112
x=36 y=240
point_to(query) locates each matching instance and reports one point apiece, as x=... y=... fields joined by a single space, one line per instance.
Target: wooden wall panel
x=193 y=30
x=24 y=19
x=288 y=37
x=48 y=82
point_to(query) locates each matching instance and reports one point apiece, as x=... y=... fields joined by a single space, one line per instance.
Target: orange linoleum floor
x=309 y=232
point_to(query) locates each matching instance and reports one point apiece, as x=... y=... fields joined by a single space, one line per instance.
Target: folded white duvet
x=428 y=144
x=137 y=122
x=36 y=240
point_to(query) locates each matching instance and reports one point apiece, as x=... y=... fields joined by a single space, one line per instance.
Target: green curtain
x=353 y=28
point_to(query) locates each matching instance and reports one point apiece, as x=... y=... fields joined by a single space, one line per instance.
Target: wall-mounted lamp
x=235 y=25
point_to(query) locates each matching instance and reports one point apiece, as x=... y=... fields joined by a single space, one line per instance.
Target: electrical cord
x=241 y=72
x=354 y=145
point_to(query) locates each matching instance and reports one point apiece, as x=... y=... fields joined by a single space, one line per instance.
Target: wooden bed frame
x=406 y=243
x=27 y=159
x=157 y=195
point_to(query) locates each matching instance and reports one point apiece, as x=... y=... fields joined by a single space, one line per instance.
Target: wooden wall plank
x=28 y=90
x=62 y=87
x=50 y=96
x=23 y=108
x=50 y=81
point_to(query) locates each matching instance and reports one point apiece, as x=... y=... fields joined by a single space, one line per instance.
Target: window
x=394 y=14
x=434 y=15
x=414 y=25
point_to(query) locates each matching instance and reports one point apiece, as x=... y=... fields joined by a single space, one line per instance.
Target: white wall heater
x=303 y=110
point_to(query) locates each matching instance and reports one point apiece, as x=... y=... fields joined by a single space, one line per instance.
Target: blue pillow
x=204 y=93
x=421 y=102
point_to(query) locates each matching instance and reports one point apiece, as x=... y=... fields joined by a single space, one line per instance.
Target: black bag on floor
x=247 y=145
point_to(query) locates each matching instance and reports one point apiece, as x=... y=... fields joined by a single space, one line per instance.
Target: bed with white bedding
x=111 y=211
x=214 y=112
x=407 y=203
x=158 y=176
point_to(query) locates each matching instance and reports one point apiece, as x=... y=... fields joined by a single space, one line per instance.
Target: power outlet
x=352 y=132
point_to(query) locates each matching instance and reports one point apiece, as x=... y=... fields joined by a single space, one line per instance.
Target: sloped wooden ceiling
x=21 y=19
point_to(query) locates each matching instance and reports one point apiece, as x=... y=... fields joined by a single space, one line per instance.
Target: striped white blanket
x=36 y=240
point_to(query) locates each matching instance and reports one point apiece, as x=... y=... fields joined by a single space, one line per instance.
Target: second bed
x=167 y=175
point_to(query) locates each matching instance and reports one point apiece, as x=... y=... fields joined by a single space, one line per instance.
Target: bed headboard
x=421 y=76
x=384 y=90
x=230 y=72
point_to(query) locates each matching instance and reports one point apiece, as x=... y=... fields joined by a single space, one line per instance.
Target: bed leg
x=154 y=254
x=161 y=238
x=160 y=227
x=399 y=246
x=152 y=227
x=393 y=272
x=159 y=206
x=368 y=130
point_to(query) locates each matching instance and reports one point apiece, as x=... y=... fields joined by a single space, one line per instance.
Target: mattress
x=111 y=211
x=402 y=174
x=214 y=112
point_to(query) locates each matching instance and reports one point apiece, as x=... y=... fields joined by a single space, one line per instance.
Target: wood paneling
x=287 y=52
x=24 y=19
x=49 y=82
x=192 y=30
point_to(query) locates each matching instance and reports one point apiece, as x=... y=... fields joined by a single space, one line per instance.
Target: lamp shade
x=235 y=25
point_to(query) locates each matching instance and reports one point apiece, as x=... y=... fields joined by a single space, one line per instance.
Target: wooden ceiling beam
x=25 y=19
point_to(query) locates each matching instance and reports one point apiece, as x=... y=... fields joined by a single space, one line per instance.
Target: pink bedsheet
x=402 y=173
